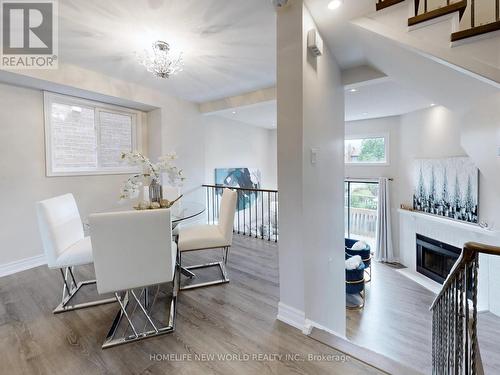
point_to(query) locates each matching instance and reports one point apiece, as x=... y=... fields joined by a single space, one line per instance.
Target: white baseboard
x=297 y=318
x=291 y=316
x=22 y=265
x=309 y=325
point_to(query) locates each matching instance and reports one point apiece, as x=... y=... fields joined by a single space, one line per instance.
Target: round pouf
x=365 y=255
x=355 y=287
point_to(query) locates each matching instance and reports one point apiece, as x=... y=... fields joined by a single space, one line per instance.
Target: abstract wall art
x=245 y=178
x=447 y=187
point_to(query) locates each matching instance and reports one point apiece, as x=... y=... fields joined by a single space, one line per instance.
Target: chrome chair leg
x=70 y=290
x=222 y=268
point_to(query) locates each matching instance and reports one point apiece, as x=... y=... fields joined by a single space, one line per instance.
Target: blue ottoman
x=355 y=287
x=365 y=255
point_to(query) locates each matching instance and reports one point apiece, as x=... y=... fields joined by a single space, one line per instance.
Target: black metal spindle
x=472 y=13
x=217 y=204
x=497 y=9
x=213 y=205
x=425 y=6
x=256 y=214
x=474 y=315
x=275 y=217
x=250 y=213
x=238 y=209
x=208 y=205
x=269 y=216
x=466 y=320
x=244 y=213
x=262 y=210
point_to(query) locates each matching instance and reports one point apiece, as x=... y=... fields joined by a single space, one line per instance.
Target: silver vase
x=155 y=191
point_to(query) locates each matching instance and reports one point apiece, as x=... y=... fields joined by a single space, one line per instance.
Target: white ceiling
x=229 y=46
x=335 y=28
x=371 y=100
x=382 y=99
x=262 y=114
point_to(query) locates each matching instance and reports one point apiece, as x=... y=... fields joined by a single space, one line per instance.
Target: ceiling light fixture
x=433 y=104
x=161 y=62
x=334 y=4
x=353 y=90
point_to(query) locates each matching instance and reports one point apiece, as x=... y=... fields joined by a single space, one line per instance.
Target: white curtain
x=384 y=251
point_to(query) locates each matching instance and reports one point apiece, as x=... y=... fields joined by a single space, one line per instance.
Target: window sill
x=385 y=164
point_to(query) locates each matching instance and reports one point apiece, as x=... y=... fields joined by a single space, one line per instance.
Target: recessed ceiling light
x=433 y=104
x=353 y=90
x=334 y=4
x=234 y=112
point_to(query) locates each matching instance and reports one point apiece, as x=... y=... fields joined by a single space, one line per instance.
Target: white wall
x=176 y=126
x=23 y=180
x=232 y=144
x=438 y=133
x=480 y=137
x=310 y=100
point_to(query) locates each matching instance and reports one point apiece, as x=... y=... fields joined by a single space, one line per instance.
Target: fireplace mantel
x=450 y=222
x=455 y=233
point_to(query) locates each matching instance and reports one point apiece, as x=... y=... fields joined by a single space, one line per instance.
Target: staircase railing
x=455 y=348
x=482 y=19
x=256 y=211
x=426 y=10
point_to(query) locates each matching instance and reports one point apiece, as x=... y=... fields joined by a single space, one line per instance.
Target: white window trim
x=99 y=107
x=387 y=141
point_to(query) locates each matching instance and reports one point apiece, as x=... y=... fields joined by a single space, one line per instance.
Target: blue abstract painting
x=245 y=178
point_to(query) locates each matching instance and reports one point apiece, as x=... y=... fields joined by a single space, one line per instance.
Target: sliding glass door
x=360 y=210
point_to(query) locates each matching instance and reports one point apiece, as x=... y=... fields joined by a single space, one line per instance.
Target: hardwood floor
x=234 y=319
x=396 y=322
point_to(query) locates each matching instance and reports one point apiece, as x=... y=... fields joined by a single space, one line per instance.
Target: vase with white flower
x=150 y=178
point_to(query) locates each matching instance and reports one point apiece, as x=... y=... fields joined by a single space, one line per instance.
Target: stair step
x=455 y=7
x=387 y=3
x=475 y=31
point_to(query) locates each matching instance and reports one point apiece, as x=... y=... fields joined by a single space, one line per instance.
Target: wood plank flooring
x=396 y=322
x=235 y=319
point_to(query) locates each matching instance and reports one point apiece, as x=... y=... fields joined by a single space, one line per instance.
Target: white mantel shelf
x=454 y=223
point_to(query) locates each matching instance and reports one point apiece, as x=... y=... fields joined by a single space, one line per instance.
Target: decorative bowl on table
x=164 y=203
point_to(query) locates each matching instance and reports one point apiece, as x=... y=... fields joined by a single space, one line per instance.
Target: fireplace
x=435 y=259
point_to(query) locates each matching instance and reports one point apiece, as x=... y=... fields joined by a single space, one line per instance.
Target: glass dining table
x=180 y=211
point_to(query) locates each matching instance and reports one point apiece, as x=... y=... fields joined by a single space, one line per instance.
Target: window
x=360 y=210
x=367 y=150
x=85 y=137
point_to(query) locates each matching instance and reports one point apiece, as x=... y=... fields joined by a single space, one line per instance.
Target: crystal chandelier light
x=161 y=62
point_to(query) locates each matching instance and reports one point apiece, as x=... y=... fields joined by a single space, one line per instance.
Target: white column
x=310 y=117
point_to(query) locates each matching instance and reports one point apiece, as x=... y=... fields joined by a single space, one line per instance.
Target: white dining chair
x=206 y=237
x=134 y=250
x=66 y=247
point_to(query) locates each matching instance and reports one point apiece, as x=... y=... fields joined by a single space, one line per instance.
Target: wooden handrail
x=469 y=252
x=476 y=247
x=238 y=188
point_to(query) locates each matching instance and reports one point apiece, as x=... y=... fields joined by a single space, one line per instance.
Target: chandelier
x=161 y=62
